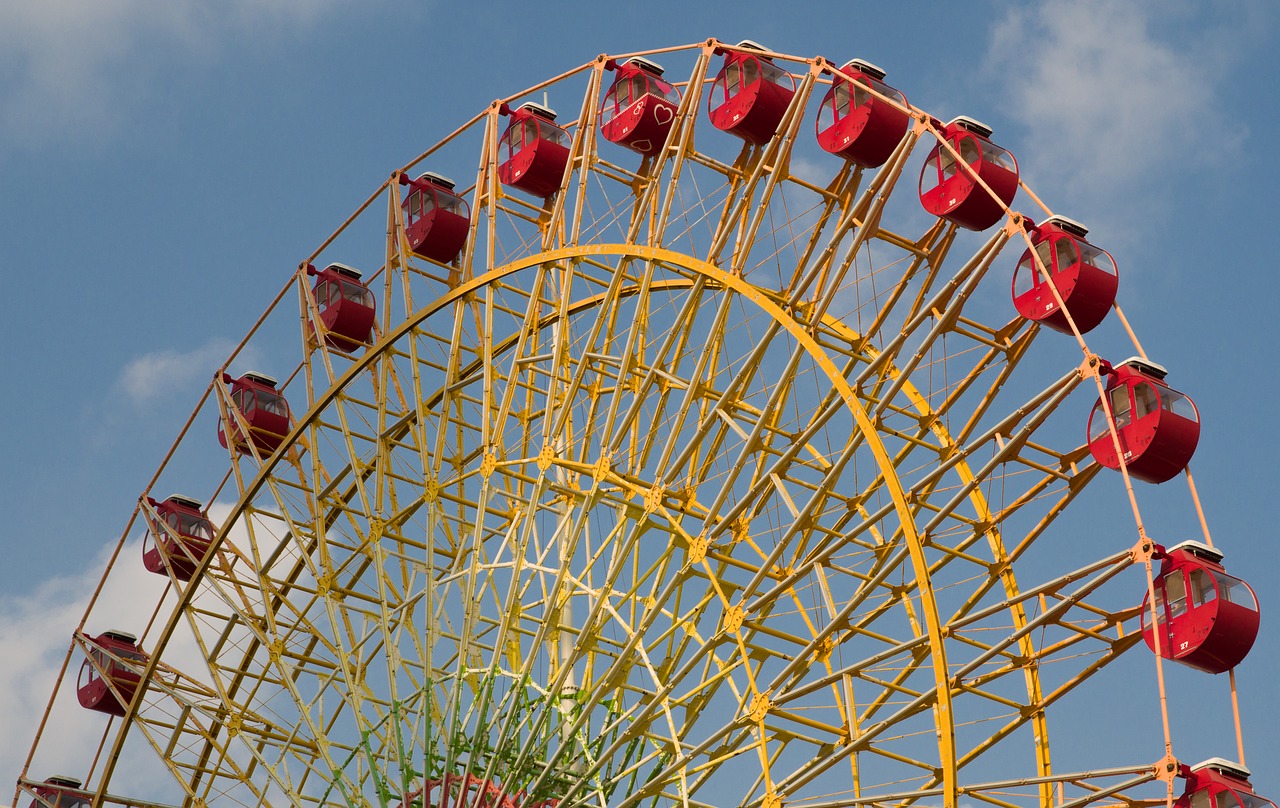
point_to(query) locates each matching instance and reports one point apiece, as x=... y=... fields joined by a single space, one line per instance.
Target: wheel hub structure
x=723 y=476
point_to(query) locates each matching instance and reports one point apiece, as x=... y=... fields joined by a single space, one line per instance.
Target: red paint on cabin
x=179 y=538
x=107 y=685
x=1158 y=427
x=59 y=792
x=949 y=186
x=346 y=306
x=533 y=150
x=468 y=791
x=640 y=107
x=436 y=220
x=1084 y=276
x=263 y=410
x=1206 y=619
x=750 y=94
x=858 y=119
x=1218 y=783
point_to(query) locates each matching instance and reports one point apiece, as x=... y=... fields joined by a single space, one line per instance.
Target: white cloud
x=76 y=66
x=1112 y=109
x=158 y=374
x=35 y=632
x=155 y=376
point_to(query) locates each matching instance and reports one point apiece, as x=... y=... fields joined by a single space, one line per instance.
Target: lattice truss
x=701 y=483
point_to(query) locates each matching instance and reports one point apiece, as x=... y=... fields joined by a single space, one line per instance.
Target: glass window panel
x=946 y=164
x=1178 y=404
x=612 y=103
x=843 y=99
x=196 y=526
x=1202 y=588
x=1027 y=277
x=510 y=142
x=272 y=403
x=1200 y=799
x=637 y=88
x=1234 y=590
x=1044 y=251
x=827 y=113
x=1146 y=613
x=1098 y=423
x=1254 y=801
x=529 y=132
x=732 y=80
x=355 y=293
x=1175 y=589
x=1145 y=400
x=1095 y=257
x=860 y=94
x=1120 y=405
x=1067 y=254
x=555 y=134
x=885 y=90
x=776 y=75
x=660 y=87
x=994 y=154
x=619 y=95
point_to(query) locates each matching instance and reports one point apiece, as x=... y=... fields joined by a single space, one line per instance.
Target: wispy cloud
x=1113 y=107
x=75 y=68
x=152 y=391
x=157 y=375
x=35 y=633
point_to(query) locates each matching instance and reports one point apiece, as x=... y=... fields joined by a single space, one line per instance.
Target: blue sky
x=164 y=166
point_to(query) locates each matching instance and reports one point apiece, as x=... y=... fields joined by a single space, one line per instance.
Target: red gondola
x=639 y=108
x=102 y=677
x=264 y=410
x=179 y=538
x=459 y=791
x=347 y=307
x=468 y=791
x=1084 y=275
x=1205 y=618
x=750 y=95
x=950 y=191
x=534 y=151
x=855 y=124
x=436 y=220
x=59 y=792
x=1218 y=783
x=1158 y=426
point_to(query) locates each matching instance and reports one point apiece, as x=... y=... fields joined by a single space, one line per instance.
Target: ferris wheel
x=695 y=453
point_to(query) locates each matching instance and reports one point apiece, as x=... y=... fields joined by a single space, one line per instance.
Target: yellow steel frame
x=398 y=590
